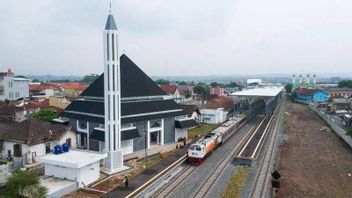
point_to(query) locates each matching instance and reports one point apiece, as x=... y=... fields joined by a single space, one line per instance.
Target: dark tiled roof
x=125 y=135
x=189 y=109
x=182 y=124
x=31 y=131
x=94 y=110
x=134 y=82
x=337 y=89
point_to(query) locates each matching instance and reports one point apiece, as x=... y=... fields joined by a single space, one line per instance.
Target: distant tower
x=112 y=97
x=308 y=80
x=315 y=81
x=293 y=79
x=300 y=79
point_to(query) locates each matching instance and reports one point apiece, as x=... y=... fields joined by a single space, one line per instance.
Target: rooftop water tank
x=65 y=147
x=57 y=149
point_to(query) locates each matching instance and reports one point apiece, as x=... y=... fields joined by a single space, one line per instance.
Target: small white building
x=182 y=124
x=13 y=87
x=213 y=116
x=76 y=165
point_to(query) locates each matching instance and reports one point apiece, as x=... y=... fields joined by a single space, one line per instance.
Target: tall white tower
x=112 y=97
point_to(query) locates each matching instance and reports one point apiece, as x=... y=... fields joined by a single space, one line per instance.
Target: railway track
x=165 y=190
x=262 y=177
x=207 y=185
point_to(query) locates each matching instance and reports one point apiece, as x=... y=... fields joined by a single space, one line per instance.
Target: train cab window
x=198 y=148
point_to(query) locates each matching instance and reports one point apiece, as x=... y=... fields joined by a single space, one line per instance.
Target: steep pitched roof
x=189 y=109
x=30 y=131
x=134 y=82
x=110 y=23
x=169 y=89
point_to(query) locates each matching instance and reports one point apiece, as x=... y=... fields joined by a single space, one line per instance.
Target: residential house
x=218 y=91
x=24 y=141
x=44 y=91
x=173 y=93
x=217 y=110
x=339 y=104
x=192 y=111
x=13 y=87
x=336 y=92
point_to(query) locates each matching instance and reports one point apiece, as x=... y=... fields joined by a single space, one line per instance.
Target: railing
x=331 y=122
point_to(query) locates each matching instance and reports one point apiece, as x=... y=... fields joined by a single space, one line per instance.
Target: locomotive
x=201 y=149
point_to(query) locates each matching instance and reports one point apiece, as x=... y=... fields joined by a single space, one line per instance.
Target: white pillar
x=162 y=132
x=148 y=134
x=112 y=97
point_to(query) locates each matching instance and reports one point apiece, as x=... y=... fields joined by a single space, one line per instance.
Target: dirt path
x=313 y=161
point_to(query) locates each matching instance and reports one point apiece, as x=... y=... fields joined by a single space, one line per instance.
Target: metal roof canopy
x=257 y=92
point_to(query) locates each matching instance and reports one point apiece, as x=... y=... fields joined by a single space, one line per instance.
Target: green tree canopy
x=89 y=79
x=23 y=184
x=162 y=82
x=288 y=88
x=214 y=84
x=182 y=83
x=345 y=83
x=201 y=88
x=45 y=115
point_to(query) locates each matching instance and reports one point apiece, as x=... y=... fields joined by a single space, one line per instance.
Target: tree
x=45 y=115
x=214 y=84
x=188 y=94
x=288 y=88
x=162 y=82
x=182 y=83
x=349 y=132
x=89 y=79
x=201 y=88
x=345 y=83
x=23 y=184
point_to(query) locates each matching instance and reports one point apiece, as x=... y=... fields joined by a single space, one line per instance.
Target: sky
x=179 y=37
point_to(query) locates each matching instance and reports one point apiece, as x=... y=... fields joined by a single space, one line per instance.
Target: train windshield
x=195 y=148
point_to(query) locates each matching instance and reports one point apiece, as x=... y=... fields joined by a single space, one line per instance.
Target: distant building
x=217 y=110
x=172 y=92
x=218 y=91
x=339 y=104
x=192 y=112
x=254 y=82
x=13 y=87
x=336 y=92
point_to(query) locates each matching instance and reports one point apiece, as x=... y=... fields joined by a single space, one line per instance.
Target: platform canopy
x=262 y=91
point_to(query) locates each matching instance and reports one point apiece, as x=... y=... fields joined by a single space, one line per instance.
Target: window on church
x=113 y=110
x=107 y=46
x=113 y=46
x=113 y=77
x=108 y=78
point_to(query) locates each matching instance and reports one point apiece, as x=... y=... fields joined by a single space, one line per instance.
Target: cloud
x=178 y=37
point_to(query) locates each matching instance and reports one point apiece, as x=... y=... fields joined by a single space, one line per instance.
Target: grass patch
x=201 y=130
x=236 y=183
x=349 y=132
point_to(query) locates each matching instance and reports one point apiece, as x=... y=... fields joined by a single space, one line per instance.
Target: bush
x=45 y=115
x=349 y=132
x=23 y=184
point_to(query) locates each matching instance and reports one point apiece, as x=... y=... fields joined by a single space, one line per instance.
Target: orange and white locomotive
x=202 y=148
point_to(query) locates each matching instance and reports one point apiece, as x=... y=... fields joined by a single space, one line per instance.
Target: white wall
x=214 y=116
x=89 y=174
x=19 y=86
x=62 y=172
x=127 y=147
x=180 y=133
x=68 y=134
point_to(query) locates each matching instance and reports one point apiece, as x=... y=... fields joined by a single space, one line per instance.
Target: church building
x=124 y=110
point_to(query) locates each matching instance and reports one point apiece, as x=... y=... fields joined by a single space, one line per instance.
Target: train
x=201 y=149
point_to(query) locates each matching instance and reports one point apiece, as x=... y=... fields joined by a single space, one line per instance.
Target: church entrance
x=155 y=138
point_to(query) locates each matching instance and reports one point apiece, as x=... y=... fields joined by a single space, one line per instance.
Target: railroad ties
x=251 y=149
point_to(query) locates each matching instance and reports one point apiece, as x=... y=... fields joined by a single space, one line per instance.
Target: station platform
x=146 y=175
